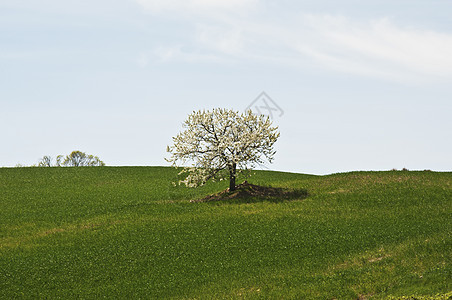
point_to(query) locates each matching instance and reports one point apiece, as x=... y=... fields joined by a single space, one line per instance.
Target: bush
x=75 y=159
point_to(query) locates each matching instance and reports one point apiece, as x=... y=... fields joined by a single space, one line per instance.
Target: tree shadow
x=250 y=193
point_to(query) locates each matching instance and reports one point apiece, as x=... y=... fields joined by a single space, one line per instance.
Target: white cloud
x=142 y=60
x=378 y=47
x=165 y=54
x=227 y=40
x=195 y=6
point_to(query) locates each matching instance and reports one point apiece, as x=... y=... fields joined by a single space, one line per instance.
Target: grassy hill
x=127 y=232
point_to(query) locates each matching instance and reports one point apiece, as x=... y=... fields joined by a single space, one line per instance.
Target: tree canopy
x=75 y=159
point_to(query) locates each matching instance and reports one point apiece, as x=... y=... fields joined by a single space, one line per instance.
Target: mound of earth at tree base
x=249 y=192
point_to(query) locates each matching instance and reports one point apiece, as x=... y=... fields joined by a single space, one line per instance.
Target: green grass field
x=126 y=232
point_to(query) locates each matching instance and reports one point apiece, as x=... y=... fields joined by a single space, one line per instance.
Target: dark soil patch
x=247 y=192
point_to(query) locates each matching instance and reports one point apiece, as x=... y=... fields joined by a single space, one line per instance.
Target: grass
x=128 y=233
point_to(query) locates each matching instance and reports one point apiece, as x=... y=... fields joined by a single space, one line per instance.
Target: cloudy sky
x=356 y=85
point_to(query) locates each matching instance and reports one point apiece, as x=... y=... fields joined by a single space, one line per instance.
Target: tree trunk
x=232 y=175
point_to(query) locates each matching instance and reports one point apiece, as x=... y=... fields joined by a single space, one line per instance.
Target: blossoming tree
x=222 y=143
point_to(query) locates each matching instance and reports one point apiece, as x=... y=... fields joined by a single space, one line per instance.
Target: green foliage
x=81 y=159
x=75 y=159
x=127 y=232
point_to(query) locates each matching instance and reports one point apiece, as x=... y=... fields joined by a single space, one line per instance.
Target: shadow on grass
x=250 y=193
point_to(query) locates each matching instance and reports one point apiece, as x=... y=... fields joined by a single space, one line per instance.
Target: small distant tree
x=75 y=159
x=59 y=161
x=81 y=159
x=222 y=143
x=46 y=161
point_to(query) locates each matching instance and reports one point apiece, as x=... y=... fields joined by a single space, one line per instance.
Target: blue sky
x=364 y=85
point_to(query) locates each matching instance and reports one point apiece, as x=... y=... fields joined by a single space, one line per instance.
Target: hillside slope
x=120 y=232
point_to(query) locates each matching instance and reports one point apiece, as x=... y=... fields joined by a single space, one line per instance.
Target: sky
x=352 y=85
